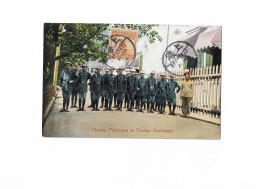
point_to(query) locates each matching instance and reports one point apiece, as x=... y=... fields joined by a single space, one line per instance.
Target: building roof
x=210 y=38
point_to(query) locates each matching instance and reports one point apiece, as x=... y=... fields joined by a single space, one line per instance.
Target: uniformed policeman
x=109 y=87
x=74 y=92
x=162 y=93
x=115 y=95
x=151 y=91
x=66 y=78
x=96 y=88
x=172 y=85
x=121 y=88
x=131 y=89
x=141 y=84
x=127 y=97
x=82 y=80
x=92 y=73
x=136 y=101
x=103 y=93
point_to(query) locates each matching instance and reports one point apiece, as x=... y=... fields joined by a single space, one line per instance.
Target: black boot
x=173 y=109
x=93 y=105
x=75 y=105
x=163 y=108
x=118 y=105
x=79 y=109
x=144 y=106
x=141 y=109
x=83 y=105
x=102 y=102
x=67 y=105
x=97 y=106
x=148 y=106
x=72 y=100
x=137 y=106
x=64 y=105
x=121 y=104
x=110 y=105
x=106 y=105
x=170 y=108
x=159 y=109
x=152 y=106
x=131 y=106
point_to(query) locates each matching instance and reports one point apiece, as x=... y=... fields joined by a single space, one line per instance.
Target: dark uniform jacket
x=162 y=88
x=141 y=84
x=121 y=85
x=82 y=80
x=66 y=76
x=110 y=83
x=151 y=87
x=96 y=83
x=171 y=86
x=131 y=84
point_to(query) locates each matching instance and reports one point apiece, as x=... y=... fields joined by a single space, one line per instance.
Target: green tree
x=82 y=42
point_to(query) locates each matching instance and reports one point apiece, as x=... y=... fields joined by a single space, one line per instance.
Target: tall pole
x=167 y=45
x=56 y=66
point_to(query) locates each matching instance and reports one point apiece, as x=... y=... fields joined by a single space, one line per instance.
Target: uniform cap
x=121 y=68
x=99 y=67
x=84 y=65
x=107 y=70
x=127 y=73
x=68 y=63
x=163 y=73
x=153 y=72
x=132 y=70
x=186 y=72
x=110 y=68
x=142 y=71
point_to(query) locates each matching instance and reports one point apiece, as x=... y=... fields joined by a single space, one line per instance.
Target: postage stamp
x=122 y=48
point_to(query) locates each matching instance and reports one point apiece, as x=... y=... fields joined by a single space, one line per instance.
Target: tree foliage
x=83 y=42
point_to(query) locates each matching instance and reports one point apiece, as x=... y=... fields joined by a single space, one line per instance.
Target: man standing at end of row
x=66 y=79
x=186 y=93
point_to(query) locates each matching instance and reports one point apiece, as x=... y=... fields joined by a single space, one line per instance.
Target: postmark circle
x=121 y=52
x=174 y=53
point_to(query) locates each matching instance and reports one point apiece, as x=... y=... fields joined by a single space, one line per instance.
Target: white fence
x=207 y=85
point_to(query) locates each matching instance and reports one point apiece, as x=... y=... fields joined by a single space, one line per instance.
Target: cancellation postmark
x=175 y=53
x=122 y=48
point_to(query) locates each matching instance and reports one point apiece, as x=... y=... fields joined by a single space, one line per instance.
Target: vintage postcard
x=132 y=81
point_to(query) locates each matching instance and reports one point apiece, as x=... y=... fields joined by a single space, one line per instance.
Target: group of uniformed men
x=136 y=90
